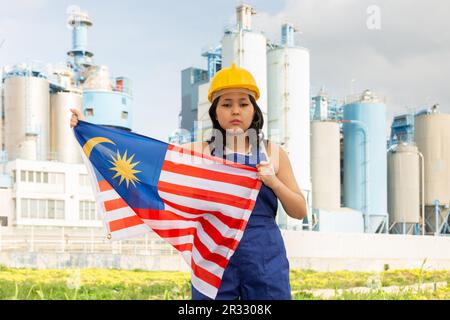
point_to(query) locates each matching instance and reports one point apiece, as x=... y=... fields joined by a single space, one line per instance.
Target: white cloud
x=28 y=5
x=407 y=60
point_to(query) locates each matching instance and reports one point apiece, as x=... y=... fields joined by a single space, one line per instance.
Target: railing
x=374 y=98
x=89 y=240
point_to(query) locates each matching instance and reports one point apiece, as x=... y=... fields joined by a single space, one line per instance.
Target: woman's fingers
x=265 y=168
x=76 y=115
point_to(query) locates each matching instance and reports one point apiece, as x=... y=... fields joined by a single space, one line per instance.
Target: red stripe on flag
x=199 y=245
x=183 y=247
x=217 y=236
x=196 y=172
x=124 y=223
x=205 y=275
x=229 y=221
x=115 y=204
x=104 y=186
x=165 y=215
x=207 y=195
x=173 y=233
x=208 y=254
x=172 y=147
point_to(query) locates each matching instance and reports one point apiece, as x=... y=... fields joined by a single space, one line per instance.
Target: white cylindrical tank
x=289 y=107
x=248 y=50
x=27 y=117
x=404 y=184
x=27 y=149
x=432 y=136
x=63 y=144
x=325 y=165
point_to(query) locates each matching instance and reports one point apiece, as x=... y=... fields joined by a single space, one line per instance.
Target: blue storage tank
x=111 y=108
x=365 y=169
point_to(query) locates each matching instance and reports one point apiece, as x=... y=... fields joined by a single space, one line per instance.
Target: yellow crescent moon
x=91 y=143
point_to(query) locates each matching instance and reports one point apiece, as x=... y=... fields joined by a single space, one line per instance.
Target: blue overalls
x=259 y=268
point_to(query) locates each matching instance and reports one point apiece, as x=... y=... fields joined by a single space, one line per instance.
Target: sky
x=399 y=49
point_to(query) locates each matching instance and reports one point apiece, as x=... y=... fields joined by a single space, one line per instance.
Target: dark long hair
x=256 y=124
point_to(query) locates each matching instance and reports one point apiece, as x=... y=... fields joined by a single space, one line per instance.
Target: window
x=23 y=176
x=42 y=209
x=3 y=221
x=51 y=209
x=33 y=208
x=88 y=210
x=30 y=176
x=125 y=115
x=59 y=212
x=38 y=177
x=89 y=112
x=84 y=180
x=14 y=176
x=24 y=208
x=45 y=177
x=56 y=178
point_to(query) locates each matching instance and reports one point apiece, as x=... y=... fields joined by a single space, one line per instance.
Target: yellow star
x=124 y=168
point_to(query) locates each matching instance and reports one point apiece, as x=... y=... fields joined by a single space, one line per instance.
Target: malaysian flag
x=198 y=203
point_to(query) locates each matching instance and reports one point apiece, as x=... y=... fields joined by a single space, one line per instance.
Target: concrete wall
x=365 y=252
x=91 y=260
x=305 y=250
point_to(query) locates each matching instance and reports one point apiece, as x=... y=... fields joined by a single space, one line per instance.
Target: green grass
x=112 y=284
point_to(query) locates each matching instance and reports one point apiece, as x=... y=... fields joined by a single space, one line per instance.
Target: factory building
x=337 y=148
x=352 y=182
x=43 y=181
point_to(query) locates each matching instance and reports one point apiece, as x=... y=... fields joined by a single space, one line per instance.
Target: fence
x=78 y=240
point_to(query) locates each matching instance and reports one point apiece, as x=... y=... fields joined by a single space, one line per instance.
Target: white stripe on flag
x=211 y=266
x=203 y=163
x=199 y=183
x=203 y=287
x=131 y=232
x=219 y=225
x=202 y=235
x=119 y=214
x=107 y=195
x=200 y=204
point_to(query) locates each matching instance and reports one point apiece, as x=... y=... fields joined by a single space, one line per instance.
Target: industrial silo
x=27 y=115
x=365 y=160
x=63 y=145
x=288 y=69
x=432 y=136
x=404 y=175
x=112 y=108
x=247 y=49
x=104 y=102
x=325 y=165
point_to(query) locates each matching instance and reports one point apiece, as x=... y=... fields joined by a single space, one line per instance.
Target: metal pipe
x=436 y=216
x=240 y=55
x=423 y=190
x=366 y=170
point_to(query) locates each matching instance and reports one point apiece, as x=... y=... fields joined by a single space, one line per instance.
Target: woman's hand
x=76 y=115
x=266 y=173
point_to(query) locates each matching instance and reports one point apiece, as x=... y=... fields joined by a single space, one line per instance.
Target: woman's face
x=235 y=111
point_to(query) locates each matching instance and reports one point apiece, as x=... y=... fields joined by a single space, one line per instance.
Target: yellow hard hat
x=233 y=77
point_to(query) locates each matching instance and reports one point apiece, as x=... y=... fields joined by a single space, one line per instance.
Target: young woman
x=259 y=268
